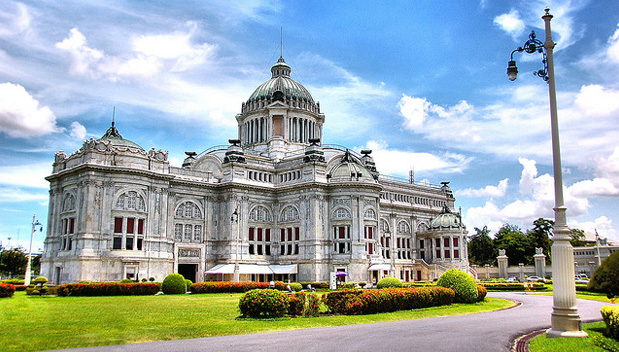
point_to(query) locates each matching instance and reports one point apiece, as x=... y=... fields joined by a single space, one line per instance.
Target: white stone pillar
x=540 y=262
x=502 y=263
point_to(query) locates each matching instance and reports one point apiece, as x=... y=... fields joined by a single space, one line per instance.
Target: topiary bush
x=389 y=282
x=264 y=303
x=174 y=284
x=463 y=285
x=606 y=277
x=296 y=287
x=188 y=284
x=40 y=280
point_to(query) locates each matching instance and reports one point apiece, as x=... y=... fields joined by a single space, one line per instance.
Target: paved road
x=493 y=331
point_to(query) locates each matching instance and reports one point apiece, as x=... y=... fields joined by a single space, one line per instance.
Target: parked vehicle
x=512 y=279
x=534 y=278
x=580 y=280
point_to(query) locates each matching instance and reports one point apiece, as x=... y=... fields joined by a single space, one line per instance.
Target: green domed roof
x=114 y=136
x=349 y=168
x=446 y=220
x=281 y=82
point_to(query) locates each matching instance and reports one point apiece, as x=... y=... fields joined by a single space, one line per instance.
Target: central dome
x=281 y=82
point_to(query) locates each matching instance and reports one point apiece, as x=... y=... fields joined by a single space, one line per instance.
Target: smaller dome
x=114 y=136
x=349 y=168
x=446 y=220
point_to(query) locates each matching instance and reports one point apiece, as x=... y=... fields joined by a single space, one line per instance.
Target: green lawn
x=595 y=330
x=34 y=323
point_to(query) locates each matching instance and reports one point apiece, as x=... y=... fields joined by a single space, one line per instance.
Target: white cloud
x=414 y=110
x=20 y=114
x=400 y=162
x=511 y=23
x=602 y=225
x=15 y=20
x=613 y=47
x=597 y=101
x=26 y=175
x=78 y=131
x=488 y=191
x=13 y=195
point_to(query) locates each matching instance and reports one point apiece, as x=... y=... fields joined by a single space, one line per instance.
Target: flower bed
x=351 y=302
x=109 y=289
x=7 y=290
x=264 y=303
x=228 y=287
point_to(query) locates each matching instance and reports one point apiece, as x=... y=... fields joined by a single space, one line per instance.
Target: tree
x=539 y=237
x=578 y=238
x=13 y=261
x=516 y=244
x=481 y=248
x=606 y=277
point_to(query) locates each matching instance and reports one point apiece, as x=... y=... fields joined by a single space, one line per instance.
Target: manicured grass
x=543 y=344
x=35 y=323
x=584 y=295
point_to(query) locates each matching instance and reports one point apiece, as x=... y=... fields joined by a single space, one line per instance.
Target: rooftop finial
x=281 y=42
x=113 y=115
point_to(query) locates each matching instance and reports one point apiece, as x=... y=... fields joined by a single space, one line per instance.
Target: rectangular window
x=282 y=250
x=260 y=235
x=342 y=248
x=370 y=232
x=178 y=232
x=370 y=248
x=282 y=235
x=118 y=225
x=259 y=249
x=64 y=226
x=421 y=244
x=129 y=243
x=187 y=236
x=447 y=254
x=289 y=234
x=63 y=246
x=438 y=242
x=251 y=249
x=130 y=225
x=289 y=249
x=118 y=243
x=251 y=233
x=72 y=225
x=267 y=235
x=140 y=242
x=455 y=241
x=267 y=250
x=445 y=242
x=70 y=244
x=296 y=233
x=296 y=249
x=398 y=242
x=197 y=233
x=342 y=232
x=387 y=242
x=438 y=254
x=456 y=254
x=140 y=226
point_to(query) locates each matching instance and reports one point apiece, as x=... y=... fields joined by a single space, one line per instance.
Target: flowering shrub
x=7 y=290
x=481 y=293
x=462 y=283
x=389 y=282
x=611 y=319
x=264 y=303
x=305 y=304
x=227 y=286
x=109 y=289
x=386 y=300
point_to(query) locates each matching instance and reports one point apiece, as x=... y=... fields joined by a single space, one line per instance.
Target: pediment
x=277 y=105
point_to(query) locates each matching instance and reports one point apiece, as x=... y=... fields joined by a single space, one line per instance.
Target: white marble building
x=274 y=204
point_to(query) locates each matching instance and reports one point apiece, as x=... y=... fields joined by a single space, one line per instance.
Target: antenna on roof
x=411 y=176
x=281 y=41
x=113 y=115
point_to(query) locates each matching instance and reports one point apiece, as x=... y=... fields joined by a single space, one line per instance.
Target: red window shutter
x=267 y=235
x=447 y=254
x=130 y=225
x=456 y=254
x=72 y=225
x=296 y=233
x=370 y=248
x=140 y=227
x=455 y=241
x=290 y=234
x=251 y=233
x=282 y=235
x=118 y=225
x=259 y=234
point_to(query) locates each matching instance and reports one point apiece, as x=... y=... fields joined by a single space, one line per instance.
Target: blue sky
x=422 y=83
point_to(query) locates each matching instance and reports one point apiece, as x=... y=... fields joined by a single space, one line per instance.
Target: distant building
x=588 y=258
x=275 y=203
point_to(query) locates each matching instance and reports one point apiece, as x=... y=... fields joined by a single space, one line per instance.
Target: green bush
x=606 y=277
x=174 y=284
x=463 y=285
x=362 y=284
x=125 y=281
x=389 y=282
x=611 y=319
x=316 y=285
x=188 y=284
x=227 y=286
x=108 y=289
x=481 y=293
x=513 y=286
x=349 y=285
x=264 y=303
x=304 y=304
x=39 y=280
x=296 y=287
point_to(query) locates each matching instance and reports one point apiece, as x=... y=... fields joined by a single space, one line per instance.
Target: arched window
x=188 y=210
x=403 y=227
x=341 y=213
x=188 y=222
x=289 y=213
x=370 y=214
x=384 y=226
x=259 y=236
x=68 y=203
x=261 y=214
x=131 y=200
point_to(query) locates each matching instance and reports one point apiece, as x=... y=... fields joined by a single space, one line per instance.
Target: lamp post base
x=565 y=323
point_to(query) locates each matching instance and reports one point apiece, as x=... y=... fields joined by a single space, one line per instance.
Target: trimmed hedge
x=462 y=283
x=513 y=286
x=232 y=287
x=481 y=293
x=315 y=285
x=304 y=304
x=7 y=290
x=13 y=281
x=174 y=284
x=611 y=319
x=264 y=303
x=352 y=302
x=389 y=282
x=109 y=289
x=43 y=290
x=418 y=284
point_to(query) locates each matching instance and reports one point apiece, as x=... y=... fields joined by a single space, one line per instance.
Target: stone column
x=502 y=263
x=521 y=271
x=540 y=262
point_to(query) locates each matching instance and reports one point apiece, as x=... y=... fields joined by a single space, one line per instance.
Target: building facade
x=276 y=203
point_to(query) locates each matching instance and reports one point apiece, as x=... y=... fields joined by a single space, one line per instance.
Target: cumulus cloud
x=400 y=162
x=488 y=191
x=603 y=225
x=20 y=114
x=78 y=131
x=511 y=23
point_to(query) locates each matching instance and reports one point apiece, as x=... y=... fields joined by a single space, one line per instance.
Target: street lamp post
x=35 y=223
x=564 y=319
